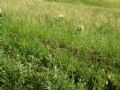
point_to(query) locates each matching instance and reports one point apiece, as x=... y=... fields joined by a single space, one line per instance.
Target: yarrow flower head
x=0 y=10
x=80 y=28
x=60 y=15
x=0 y=13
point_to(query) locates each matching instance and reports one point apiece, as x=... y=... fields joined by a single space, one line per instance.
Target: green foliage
x=59 y=53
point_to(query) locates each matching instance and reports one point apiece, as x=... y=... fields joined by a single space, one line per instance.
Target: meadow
x=60 y=45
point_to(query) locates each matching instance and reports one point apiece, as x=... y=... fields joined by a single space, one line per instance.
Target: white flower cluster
x=81 y=28
x=60 y=15
x=0 y=13
x=0 y=10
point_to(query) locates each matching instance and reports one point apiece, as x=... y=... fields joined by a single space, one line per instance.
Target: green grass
x=100 y=3
x=59 y=46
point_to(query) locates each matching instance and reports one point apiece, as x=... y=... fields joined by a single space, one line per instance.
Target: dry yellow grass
x=35 y=9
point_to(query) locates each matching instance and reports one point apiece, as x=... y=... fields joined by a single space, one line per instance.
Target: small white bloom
x=0 y=13
x=106 y=82
x=60 y=15
x=84 y=83
x=0 y=10
x=56 y=72
x=80 y=28
x=103 y=69
x=55 y=68
x=109 y=76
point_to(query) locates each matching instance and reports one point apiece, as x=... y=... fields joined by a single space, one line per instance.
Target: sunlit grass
x=100 y=3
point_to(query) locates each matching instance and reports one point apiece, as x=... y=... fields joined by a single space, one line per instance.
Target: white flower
x=60 y=15
x=0 y=13
x=106 y=82
x=80 y=28
x=103 y=69
x=0 y=10
x=56 y=71
x=55 y=68
x=109 y=76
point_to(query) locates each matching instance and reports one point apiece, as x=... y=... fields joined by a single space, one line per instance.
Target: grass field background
x=100 y=3
x=60 y=45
